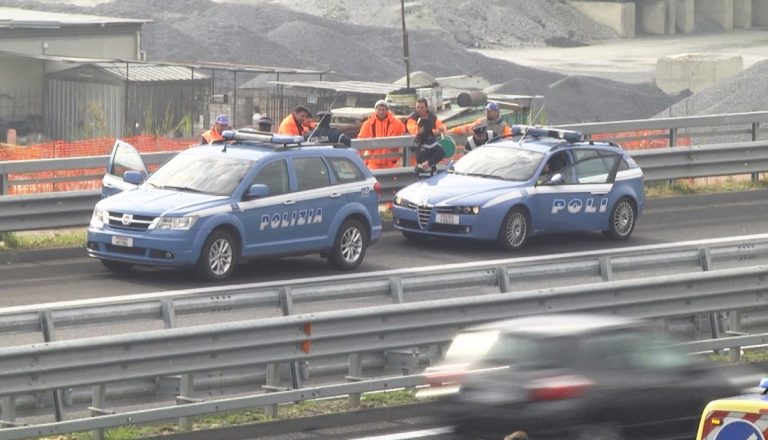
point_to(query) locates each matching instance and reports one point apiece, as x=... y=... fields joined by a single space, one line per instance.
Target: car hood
x=152 y=201
x=452 y=189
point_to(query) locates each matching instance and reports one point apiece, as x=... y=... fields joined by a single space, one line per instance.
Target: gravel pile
x=745 y=92
x=266 y=34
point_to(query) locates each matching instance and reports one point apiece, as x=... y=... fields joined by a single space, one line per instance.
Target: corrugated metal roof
x=150 y=72
x=362 y=87
x=14 y=18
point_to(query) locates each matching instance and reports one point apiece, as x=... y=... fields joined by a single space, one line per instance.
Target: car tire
x=600 y=431
x=218 y=257
x=622 y=221
x=349 y=246
x=514 y=231
x=117 y=266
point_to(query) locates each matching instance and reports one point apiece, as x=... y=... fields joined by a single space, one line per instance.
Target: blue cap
x=492 y=106
x=223 y=120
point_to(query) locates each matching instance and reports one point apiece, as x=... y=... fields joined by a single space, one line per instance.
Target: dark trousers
x=431 y=155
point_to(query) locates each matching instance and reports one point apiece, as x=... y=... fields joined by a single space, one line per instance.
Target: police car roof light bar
x=531 y=131
x=239 y=135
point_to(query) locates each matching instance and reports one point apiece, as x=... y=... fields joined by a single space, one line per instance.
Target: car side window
x=595 y=169
x=345 y=170
x=275 y=176
x=126 y=161
x=311 y=173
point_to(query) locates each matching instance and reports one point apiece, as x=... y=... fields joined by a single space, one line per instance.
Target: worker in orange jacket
x=381 y=123
x=492 y=121
x=293 y=124
x=422 y=112
x=215 y=133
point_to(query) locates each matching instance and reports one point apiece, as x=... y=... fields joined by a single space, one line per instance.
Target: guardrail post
x=755 y=130
x=98 y=402
x=396 y=290
x=673 y=137
x=286 y=303
x=273 y=384
x=606 y=270
x=714 y=318
x=185 y=393
x=4 y=184
x=46 y=325
x=503 y=276
x=169 y=313
x=8 y=410
x=355 y=374
x=734 y=328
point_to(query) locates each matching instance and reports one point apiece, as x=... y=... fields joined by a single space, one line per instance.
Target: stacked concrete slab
x=695 y=72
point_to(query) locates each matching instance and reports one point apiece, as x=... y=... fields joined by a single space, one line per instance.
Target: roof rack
x=539 y=132
x=260 y=136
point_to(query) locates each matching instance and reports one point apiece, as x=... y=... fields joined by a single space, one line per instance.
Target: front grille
x=125 y=250
x=424 y=213
x=446 y=209
x=136 y=223
x=448 y=229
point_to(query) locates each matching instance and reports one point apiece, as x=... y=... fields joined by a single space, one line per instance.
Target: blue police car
x=253 y=196
x=539 y=180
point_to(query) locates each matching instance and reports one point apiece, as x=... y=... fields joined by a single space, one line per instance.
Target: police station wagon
x=253 y=196
x=540 y=180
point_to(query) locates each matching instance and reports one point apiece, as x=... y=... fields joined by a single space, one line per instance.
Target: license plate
x=451 y=219
x=118 y=240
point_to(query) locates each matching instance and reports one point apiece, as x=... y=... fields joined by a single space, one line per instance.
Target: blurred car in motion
x=573 y=377
x=735 y=418
x=540 y=180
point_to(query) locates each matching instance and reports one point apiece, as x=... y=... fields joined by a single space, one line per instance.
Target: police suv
x=539 y=180
x=254 y=195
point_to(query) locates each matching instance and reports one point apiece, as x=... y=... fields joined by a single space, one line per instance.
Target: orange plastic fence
x=80 y=179
x=642 y=144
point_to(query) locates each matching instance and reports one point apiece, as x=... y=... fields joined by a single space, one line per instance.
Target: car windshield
x=202 y=174
x=499 y=162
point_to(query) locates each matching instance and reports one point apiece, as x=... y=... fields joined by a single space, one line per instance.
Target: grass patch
x=10 y=241
x=688 y=187
x=302 y=409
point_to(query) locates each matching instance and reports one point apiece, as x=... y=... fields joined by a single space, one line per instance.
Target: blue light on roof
x=530 y=131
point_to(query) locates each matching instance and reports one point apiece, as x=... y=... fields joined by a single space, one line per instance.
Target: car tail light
x=558 y=388
x=377 y=188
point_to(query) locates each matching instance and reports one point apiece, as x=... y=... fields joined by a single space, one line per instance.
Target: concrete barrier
x=742 y=14
x=760 y=12
x=695 y=72
x=716 y=12
x=618 y=16
x=684 y=16
x=652 y=16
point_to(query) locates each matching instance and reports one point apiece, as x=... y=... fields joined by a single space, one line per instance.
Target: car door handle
x=289 y=202
x=334 y=195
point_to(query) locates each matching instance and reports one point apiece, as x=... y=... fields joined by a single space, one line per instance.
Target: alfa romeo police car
x=253 y=196
x=539 y=180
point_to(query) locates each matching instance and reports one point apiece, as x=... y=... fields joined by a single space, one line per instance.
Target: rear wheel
x=350 y=245
x=513 y=234
x=117 y=266
x=622 y=220
x=218 y=256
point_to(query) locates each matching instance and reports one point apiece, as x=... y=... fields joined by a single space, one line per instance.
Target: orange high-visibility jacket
x=499 y=127
x=373 y=127
x=412 y=123
x=211 y=136
x=290 y=126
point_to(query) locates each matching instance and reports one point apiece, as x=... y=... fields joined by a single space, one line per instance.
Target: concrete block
x=695 y=72
x=652 y=16
x=760 y=12
x=742 y=14
x=715 y=12
x=684 y=16
x=618 y=16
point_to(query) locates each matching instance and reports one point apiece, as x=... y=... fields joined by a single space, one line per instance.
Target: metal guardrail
x=69 y=209
x=400 y=285
x=94 y=361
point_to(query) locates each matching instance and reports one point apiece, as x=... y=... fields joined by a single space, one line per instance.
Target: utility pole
x=405 y=47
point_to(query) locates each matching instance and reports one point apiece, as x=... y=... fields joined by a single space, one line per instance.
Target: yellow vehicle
x=736 y=418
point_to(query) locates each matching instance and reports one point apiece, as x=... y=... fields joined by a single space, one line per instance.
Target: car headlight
x=174 y=223
x=99 y=217
x=399 y=201
x=468 y=210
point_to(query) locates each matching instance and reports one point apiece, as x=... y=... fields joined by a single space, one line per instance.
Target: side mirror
x=449 y=167
x=134 y=177
x=257 y=191
x=556 y=179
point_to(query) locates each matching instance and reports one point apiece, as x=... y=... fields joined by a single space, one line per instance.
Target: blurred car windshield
x=202 y=174
x=499 y=162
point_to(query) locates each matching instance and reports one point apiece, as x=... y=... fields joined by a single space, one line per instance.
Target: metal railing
x=99 y=360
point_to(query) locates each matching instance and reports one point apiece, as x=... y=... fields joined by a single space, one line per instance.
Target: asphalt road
x=664 y=220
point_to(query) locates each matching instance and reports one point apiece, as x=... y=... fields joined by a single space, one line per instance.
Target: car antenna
x=309 y=136
x=533 y=122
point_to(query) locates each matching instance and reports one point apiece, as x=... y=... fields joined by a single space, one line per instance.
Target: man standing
x=422 y=112
x=215 y=133
x=492 y=120
x=381 y=123
x=293 y=124
x=480 y=135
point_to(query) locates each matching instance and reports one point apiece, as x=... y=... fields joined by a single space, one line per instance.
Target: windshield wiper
x=180 y=188
x=489 y=176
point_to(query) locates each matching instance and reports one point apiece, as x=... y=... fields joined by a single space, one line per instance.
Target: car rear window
x=493 y=347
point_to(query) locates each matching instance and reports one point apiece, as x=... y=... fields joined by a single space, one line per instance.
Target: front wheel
x=622 y=220
x=218 y=256
x=514 y=231
x=350 y=245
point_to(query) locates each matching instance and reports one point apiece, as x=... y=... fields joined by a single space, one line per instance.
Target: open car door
x=123 y=158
